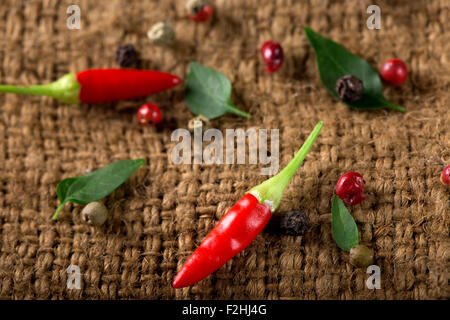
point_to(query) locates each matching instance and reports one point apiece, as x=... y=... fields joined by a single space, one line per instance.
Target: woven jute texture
x=159 y=216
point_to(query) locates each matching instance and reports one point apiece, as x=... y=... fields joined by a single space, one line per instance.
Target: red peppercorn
x=350 y=188
x=272 y=53
x=394 y=71
x=203 y=14
x=149 y=114
x=445 y=176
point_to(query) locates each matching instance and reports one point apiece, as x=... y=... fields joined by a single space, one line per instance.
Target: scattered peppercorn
x=349 y=88
x=199 y=121
x=149 y=114
x=161 y=34
x=126 y=56
x=394 y=72
x=361 y=256
x=294 y=223
x=199 y=10
x=445 y=176
x=95 y=213
x=350 y=188
x=272 y=53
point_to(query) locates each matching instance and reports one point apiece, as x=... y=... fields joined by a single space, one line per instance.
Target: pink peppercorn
x=350 y=188
x=445 y=176
x=199 y=10
x=149 y=114
x=272 y=53
x=394 y=71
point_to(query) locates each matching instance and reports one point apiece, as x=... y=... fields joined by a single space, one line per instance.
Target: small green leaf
x=345 y=231
x=208 y=93
x=96 y=185
x=334 y=61
x=63 y=186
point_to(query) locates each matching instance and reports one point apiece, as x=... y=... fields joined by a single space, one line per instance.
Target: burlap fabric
x=163 y=212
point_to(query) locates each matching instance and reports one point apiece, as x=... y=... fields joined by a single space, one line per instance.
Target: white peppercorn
x=95 y=213
x=199 y=121
x=161 y=34
x=194 y=6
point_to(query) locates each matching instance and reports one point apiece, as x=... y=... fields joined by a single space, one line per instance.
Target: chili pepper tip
x=177 y=282
x=176 y=80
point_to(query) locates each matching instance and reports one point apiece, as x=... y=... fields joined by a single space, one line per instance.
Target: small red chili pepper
x=101 y=85
x=242 y=223
x=350 y=188
x=149 y=113
x=238 y=227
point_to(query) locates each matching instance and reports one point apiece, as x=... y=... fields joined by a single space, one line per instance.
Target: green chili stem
x=65 y=89
x=43 y=90
x=271 y=190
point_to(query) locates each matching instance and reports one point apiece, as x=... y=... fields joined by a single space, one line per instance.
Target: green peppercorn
x=161 y=34
x=361 y=256
x=95 y=213
x=199 y=121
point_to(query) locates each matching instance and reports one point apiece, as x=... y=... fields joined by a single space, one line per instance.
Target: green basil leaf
x=208 y=92
x=334 y=61
x=345 y=231
x=96 y=185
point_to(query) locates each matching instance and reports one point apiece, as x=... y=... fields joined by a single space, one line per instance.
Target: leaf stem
x=394 y=106
x=235 y=110
x=61 y=206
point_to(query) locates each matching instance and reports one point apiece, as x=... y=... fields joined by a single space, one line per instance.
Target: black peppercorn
x=294 y=223
x=126 y=56
x=349 y=88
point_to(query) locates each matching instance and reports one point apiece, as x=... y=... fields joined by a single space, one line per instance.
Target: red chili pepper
x=101 y=85
x=234 y=232
x=242 y=223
